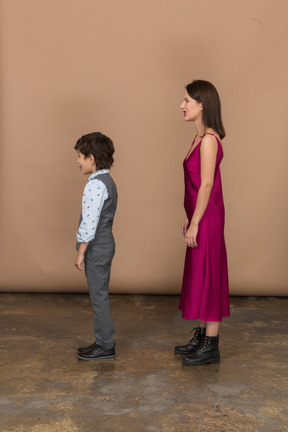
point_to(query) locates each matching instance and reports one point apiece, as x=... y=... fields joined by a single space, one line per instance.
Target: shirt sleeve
x=95 y=193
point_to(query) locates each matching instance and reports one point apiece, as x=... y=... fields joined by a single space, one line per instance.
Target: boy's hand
x=79 y=261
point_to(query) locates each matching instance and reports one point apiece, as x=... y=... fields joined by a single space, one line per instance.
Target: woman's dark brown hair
x=204 y=92
x=98 y=145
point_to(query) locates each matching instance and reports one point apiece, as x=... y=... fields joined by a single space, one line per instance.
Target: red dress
x=205 y=288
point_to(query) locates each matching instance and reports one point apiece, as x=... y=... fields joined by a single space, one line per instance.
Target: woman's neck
x=203 y=131
x=200 y=128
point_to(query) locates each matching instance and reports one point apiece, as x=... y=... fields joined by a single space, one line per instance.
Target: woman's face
x=191 y=108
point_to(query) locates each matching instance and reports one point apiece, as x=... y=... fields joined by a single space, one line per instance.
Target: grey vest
x=104 y=227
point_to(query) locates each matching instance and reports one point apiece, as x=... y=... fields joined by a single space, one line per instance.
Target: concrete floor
x=44 y=387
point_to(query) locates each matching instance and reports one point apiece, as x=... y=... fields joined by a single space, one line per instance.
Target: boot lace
x=203 y=344
x=196 y=335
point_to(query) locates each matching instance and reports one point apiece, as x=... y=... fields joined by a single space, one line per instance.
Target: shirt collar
x=96 y=173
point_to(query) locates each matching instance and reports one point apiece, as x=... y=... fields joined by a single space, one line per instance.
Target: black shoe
x=200 y=332
x=83 y=349
x=98 y=353
x=206 y=352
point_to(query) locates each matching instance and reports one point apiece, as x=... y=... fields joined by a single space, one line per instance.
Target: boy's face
x=87 y=165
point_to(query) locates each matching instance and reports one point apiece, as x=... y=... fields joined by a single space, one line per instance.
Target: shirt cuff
x=85 y=239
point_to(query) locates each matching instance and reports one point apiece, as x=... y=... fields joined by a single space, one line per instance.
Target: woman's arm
x=208 y=155
x=184 y=226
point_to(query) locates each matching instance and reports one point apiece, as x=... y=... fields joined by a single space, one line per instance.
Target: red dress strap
x=189 y=152
x=208 y=133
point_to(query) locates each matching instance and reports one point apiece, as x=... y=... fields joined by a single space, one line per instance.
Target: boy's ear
x=92 y=159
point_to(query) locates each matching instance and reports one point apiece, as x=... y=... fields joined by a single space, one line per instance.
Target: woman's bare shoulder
x=211 y=136
x=210 y=142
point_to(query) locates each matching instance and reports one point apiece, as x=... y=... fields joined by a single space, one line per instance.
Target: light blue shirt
x=94 y=195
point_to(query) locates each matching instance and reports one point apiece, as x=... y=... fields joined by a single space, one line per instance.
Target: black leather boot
x=206 y=352
x=200 y=332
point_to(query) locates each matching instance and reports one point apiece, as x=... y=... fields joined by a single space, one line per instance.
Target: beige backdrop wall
x=70 y=67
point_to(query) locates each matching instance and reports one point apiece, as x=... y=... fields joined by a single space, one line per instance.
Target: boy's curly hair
x=98 y=145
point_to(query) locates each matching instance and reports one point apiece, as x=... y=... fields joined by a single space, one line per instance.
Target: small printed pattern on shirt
x=94 y=195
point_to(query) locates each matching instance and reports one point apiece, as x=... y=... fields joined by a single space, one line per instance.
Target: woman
x=205 y=292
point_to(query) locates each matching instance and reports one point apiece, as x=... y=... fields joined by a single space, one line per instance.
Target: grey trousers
x=98 y=259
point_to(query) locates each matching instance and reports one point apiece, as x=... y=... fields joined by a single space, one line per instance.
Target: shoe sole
x=203 y=362
x=83 y=350
x=97 y=358
x=181 y=353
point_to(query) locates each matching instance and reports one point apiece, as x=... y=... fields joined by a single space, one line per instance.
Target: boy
x=95 y=241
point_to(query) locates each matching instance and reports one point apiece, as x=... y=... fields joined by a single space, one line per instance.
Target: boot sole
x=201 y=362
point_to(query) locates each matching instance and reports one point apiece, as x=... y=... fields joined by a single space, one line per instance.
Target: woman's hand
x=184 y=226
x=191 y=235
